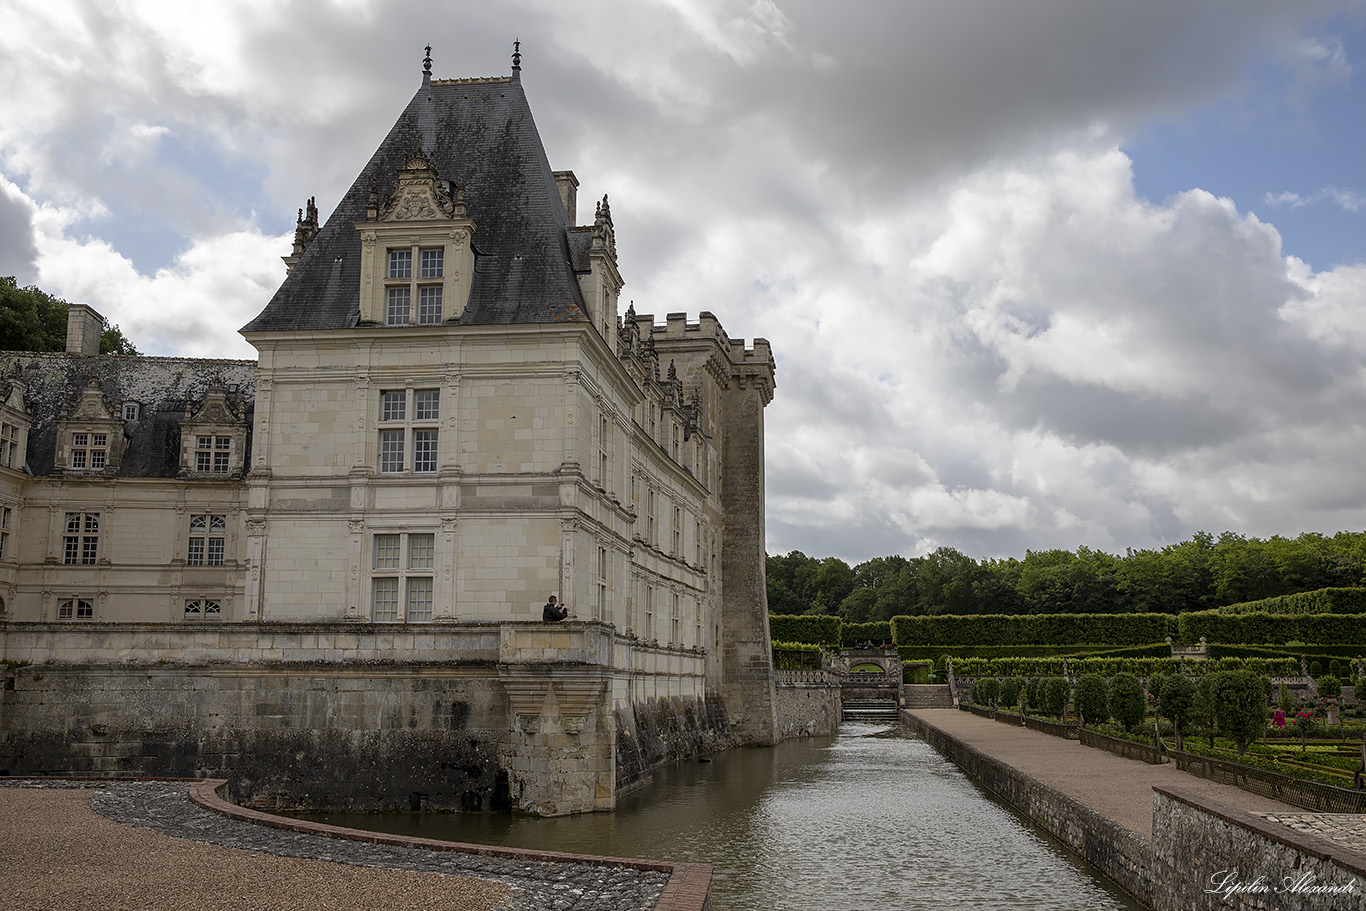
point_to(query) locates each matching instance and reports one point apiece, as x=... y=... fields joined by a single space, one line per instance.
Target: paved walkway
x=134 y=846
x=1122 y=788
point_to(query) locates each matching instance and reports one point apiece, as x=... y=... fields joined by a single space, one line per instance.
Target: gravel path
x=134 y=846
x=1120 y=788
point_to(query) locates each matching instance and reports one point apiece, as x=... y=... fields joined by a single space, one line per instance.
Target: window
x=81 y=542
x=207 y=540
x=400 y=264
x=4 y=531
x=89 y=451
x=429 y=305
x=678 y=532
x=697 y=543
x=404 y=564
x=202 y=608
x=674 y=624
x=76 y=609
x=602 y=583
x=649 y=612
x=649 y=517
x=401 y=287
x=603 y=444
x=396 y=427
x=398 y=307
x=130 y=411
x=9 y=446
x=212 y=454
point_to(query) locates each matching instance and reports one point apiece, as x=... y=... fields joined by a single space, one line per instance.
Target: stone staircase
x=927 y=696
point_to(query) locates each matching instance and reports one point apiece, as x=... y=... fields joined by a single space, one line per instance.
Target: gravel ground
x=137 y=846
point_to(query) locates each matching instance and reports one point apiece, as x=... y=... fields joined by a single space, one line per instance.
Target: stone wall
x=366 y=737
x=1210 y=856
x=1117 y=852
x=806 y=708
x=666 y=730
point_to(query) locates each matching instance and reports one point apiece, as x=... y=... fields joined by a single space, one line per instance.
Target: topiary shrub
x=1128 y=702
x=1092 y=699
x=1175 y=703
x=1055 y=695
x=1239 y=706
x=1009 y=695
x=1329 y=686
x=1335 y=668
x=1034 y=694
x=986 y=691
x=1315 y=669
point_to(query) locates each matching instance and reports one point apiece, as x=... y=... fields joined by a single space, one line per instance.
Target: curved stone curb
x=688 y=887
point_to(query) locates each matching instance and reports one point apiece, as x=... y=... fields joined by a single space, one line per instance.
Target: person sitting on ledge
x=550 y=613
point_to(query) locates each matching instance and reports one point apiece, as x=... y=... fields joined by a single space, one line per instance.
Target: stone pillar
x=747 y=655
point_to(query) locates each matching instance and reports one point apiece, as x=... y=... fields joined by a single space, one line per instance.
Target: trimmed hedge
x=1034 y=629
x=856 y=633
x=1321 y=601
x=1109 y=667
x=814 y=629
x=1272 y=629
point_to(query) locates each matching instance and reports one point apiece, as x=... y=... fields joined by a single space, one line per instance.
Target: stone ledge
x=688 y=888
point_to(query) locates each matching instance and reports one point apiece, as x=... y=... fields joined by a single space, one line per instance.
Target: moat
x=869 y=818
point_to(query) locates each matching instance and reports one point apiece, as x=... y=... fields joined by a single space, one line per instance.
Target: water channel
x=866 y=819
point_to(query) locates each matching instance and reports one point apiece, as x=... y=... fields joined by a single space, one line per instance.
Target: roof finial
x=427 y=66
x=517 y=60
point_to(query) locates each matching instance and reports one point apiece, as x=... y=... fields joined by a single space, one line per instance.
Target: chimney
x=569 y=191
x=83 y=329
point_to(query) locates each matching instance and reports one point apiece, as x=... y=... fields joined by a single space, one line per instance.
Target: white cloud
x=984 y=338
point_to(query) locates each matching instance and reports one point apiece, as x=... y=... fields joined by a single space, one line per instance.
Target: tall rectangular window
x=222 y=454
x=4 y=531
x=398 y=306
x=604 y=437
x=386 y=601
x=429 y=305
x=402 y=589
x=424 y=450
x=81 y=541
x=391 y=451
x=9 y=445
x=603 y=568
x=207 y=540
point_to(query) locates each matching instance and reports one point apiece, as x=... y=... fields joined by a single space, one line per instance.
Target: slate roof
x=479 y=133
x=163 y=387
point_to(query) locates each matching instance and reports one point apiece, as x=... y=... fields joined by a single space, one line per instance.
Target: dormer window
x=130 y=411
x=9 y=446
x=213 y=454
x=401 y=287
x=89 y=451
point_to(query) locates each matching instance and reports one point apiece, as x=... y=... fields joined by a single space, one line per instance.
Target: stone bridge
x=872 y=688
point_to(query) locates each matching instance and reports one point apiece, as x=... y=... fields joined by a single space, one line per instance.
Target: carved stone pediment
x=214 y=409
x=420 y=196
x=91 y=406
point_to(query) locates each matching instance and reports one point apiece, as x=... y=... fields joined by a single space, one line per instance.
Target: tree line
x=1201 y=573
x=33 y=320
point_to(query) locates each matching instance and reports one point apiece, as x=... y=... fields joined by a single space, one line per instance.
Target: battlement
x=677 y=327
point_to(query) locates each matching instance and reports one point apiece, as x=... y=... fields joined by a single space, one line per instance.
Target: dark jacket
x=551 y=613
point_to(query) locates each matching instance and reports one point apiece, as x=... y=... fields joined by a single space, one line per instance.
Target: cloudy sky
x=1036 y=274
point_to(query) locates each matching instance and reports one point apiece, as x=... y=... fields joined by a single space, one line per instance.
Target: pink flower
x=1278 y=719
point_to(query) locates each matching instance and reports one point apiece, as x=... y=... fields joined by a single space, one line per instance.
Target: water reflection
x=856 y=821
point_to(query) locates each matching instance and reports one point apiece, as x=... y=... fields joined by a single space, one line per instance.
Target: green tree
x=1009 y=695
x=1202 y=705
x=1239 y=706
x=986 y=691
x=33 y=320
x=1176 y=703
x=1128 y=702
x=1055 y=694
x=1092 y=699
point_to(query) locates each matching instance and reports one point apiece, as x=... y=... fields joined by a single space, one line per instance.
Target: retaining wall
x=1117 y=852
x=806 y=707
x=1209 y=856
